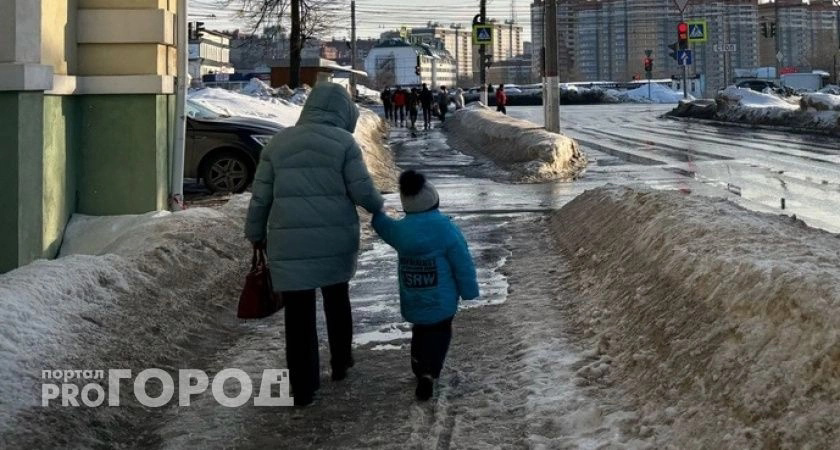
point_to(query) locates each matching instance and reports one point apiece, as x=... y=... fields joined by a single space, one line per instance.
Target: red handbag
x=258 y=299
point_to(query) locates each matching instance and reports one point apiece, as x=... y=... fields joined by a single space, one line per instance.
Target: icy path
x=510 y=379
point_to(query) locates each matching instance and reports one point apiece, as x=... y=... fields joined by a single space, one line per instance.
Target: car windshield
x=198 y=111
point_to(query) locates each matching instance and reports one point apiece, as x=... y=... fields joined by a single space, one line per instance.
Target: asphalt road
x=764 y=170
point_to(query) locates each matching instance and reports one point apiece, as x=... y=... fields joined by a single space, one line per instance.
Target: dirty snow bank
x=817 y=111
x=131 y=292
x=228 y=103
x=371 y=134
x=527 y=150
x=656 y=94
x=722 y=322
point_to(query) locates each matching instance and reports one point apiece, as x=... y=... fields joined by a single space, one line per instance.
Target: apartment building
x=807 y=34
x=457 y=41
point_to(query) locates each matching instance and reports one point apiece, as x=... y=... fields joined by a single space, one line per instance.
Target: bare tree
x=306 y=18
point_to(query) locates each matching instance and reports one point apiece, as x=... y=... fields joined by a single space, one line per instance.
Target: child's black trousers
x=429 y=344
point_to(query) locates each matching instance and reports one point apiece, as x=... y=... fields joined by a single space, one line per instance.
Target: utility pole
x=457 y=27
x=551 y=86
x=353 y=47
x=482 y=51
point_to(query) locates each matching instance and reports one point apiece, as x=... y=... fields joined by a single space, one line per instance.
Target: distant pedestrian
x=400 y=99
x=443 y=103
x=426 y=100
x=458 y=98
x=501 y=99
x=385 y=96
x=413 y=101
x=435 y=270
x=309 y=180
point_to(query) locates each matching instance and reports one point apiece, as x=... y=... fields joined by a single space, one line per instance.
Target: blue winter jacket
x=435 y=266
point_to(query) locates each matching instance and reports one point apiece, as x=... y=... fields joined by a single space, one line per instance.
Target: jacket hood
x=330 y=104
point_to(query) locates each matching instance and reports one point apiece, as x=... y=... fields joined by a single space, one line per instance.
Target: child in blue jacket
x=435 y=269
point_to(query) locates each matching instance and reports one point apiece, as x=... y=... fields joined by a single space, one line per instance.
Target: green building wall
x=92 y=154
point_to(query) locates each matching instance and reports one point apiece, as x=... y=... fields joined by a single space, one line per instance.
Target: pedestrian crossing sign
x=482 y=34
x=698 y=31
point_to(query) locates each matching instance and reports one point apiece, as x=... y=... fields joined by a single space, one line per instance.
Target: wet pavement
x=763 y=170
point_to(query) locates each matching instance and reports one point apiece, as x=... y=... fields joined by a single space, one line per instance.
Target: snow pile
x=657 y=94
x=527 y=150
x=821 y=102
x=133 y=292
x=832 y=89
x=259 y=88
x=371 y=134
x=812 y=111
x=722 y=323
x=233 y=104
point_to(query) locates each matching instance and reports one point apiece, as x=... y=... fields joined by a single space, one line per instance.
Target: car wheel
x=227 y=172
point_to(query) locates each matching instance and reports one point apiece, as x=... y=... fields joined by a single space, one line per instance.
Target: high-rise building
x=608 y=40
x=806 y=34
x=732 y=22
x=507 y=44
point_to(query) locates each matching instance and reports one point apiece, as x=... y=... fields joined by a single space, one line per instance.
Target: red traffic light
x=682 y=27
x=682 y=35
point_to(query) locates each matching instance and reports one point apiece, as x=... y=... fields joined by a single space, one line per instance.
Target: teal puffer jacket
x=307 y=185
x=435 y=266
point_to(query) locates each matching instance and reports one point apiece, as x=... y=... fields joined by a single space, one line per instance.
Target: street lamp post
x=457 y=28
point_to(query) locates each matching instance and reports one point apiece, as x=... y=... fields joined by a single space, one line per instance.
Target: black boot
x=425 y=388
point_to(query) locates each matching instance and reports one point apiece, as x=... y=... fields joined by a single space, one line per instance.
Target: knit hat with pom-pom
x=416 y=193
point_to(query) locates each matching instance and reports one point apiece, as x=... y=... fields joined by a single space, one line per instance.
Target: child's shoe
x=425 y=388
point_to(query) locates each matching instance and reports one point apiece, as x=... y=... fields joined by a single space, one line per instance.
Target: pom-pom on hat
x=416 y=193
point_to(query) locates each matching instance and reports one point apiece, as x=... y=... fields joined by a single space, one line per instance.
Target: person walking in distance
x=501 y=99
x=443 y=103
x=413 y=100
x=426 y=100
x=308 y=182
x=385 y=96
x=400 y=98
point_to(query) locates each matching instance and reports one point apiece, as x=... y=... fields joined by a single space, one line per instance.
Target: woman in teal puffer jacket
x=307 y=185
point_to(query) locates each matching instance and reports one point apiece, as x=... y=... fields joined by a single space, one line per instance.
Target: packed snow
x=528 y=151
x=656 y=94
x=810 y=111
x=228 y=103
x=722 y=323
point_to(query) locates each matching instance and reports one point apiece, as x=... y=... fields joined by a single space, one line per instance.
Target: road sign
x=681 y=4
x=684 y=58
x=482 y=34
x=698 y=31
x=726 y=48
x=780 y=56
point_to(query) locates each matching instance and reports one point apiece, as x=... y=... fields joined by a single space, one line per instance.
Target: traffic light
x=648 y=64
x=682 y=35
x=417 y=70
x=199 y=30
x=488 y=60
x=773 y=29
x=673 y=47
x=764 y=29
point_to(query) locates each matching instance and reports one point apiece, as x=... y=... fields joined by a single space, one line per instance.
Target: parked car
x=223 y=151
x=758 y=85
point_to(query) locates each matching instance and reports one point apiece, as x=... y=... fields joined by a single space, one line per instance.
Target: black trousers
x=302 y=335
x=412 y=115
x=443 y=112
x=427 y=114
x=399 y=113
x=502 y=109
x=389 y=111
x=429 y=344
